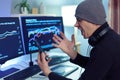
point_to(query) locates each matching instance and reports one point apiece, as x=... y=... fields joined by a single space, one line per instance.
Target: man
x=103 y=63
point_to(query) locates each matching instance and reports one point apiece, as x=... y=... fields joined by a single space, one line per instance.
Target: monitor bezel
x=2 y=61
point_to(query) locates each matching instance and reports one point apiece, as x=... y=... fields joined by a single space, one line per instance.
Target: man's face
x=83 y=27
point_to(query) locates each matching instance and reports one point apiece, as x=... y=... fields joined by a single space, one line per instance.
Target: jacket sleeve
x=54 y=76
x=98 y=67
x=80 y=60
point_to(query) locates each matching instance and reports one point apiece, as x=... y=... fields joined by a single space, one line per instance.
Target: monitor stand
x=4 y=73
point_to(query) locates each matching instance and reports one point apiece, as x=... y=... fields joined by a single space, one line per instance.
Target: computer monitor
x=11 y=45
x=45 y=26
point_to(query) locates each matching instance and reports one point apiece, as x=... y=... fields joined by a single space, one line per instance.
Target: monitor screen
x=11 y=45
x=42 y=26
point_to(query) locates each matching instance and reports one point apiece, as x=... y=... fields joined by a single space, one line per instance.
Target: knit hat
x=91 y=11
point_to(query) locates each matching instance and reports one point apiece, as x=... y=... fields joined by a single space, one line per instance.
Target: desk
x=74 y=76
x=23 y=63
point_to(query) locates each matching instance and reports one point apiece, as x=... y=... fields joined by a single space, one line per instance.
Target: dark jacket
x=104 y=60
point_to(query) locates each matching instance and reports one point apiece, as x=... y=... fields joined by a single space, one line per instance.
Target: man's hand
x=65 y=45
x=43 y=64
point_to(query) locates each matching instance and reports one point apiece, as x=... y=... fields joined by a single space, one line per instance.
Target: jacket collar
x=98 y=34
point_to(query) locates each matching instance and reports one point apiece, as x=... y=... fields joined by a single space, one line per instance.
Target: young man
x=103 y=63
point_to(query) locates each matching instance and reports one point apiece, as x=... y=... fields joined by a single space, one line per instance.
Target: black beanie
x=91 y=11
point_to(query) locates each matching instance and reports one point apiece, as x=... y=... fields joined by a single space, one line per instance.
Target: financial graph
x=11 y=41
x=7 y=33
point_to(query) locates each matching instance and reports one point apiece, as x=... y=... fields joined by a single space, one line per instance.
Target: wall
x=5 y=7
x=51 y=7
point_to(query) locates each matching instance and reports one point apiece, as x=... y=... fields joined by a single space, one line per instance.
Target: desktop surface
x=56 y=60
x=34 y=72
x=66 y=69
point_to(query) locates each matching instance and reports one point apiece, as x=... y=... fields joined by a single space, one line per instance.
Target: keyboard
x=7 y=72
x=23 y=74
x=58 y=59
x=63 y=70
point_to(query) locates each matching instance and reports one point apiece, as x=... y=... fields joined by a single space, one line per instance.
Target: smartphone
x=39 y=47
x=41 y=50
